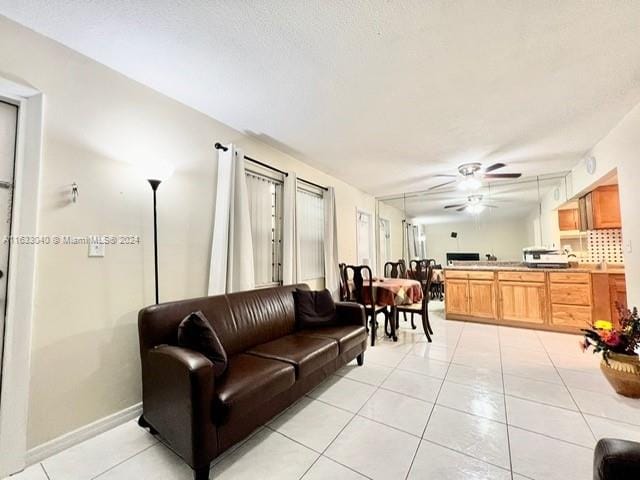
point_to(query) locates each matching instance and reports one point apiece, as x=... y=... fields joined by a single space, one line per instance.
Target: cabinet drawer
x=481 y=275
x=571 y=315
x=562 y=277
x=571 y=294
x=521 y=276
x=456 y=274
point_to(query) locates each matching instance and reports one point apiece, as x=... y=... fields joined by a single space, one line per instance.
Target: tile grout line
x=435 y=402
x=322 y=454
x=393 y=369
x=570 y=393
x=504 y=398
x=46 y=474
x=129 y=458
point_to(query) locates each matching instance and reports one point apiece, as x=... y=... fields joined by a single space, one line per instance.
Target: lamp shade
x=155 y=170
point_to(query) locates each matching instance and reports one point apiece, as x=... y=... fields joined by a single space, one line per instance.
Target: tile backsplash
x=605 y=246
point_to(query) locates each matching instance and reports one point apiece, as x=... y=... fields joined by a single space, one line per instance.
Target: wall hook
x=74 y=192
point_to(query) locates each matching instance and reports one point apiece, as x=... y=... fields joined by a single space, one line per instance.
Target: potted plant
x=619 y=346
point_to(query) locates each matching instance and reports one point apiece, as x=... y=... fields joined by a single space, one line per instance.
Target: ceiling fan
x=473 y=205
x=472 y=174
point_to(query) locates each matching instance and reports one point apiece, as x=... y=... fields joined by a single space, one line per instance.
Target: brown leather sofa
x=271 y=364
x=616 y=460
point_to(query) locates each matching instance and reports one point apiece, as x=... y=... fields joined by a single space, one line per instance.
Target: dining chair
x=360 y=283
x=344 y=292
x=395 y=269
x=425 y=277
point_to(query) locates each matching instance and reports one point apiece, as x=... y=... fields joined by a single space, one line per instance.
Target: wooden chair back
x=395 y=269
x=344 y=288
x=362 y=277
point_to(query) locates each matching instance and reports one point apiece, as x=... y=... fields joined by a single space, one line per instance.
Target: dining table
x=391 y=292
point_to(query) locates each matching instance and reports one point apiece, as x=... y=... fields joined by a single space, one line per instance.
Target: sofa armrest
x=178 y=389
x=351 y=313
x=616 y=460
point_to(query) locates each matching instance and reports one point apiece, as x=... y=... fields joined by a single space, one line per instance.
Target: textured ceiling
x=379 y=93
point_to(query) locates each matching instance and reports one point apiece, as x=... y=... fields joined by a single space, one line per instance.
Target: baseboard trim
x=57 y=445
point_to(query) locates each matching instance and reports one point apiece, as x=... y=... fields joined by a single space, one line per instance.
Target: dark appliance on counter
x=462 y=257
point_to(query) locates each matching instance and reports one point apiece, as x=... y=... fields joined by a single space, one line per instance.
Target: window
x=310 y=205
x=265 y=209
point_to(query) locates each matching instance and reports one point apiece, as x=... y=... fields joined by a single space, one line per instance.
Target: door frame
x=14 y=393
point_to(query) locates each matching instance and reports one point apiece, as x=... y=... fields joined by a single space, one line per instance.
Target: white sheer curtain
x=261 y=197
x=229 y=271
x=311 y=233
x=331 y=259
x=291 y=267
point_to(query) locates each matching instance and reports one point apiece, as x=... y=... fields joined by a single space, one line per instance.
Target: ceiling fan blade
x=491 y=206
x=455 y=206
x=502 y=175
x=462 y=209
x=493 y=167
x=450 y=175
x=442 y=185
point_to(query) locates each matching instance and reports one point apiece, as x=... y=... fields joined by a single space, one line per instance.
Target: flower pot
x=623 y=373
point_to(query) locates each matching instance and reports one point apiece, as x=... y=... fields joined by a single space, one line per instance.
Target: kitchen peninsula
x=513 y=294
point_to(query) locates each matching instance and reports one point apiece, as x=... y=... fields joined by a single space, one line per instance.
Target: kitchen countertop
x=512 y=268
x=524 y=268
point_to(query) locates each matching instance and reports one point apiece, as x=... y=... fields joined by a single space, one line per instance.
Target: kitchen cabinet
x=482 y=298
x=530 y=298
x=457 y=296
x=523 y=302
x=609 y=289
x=600 y=209
x=569 y=219
x=571 y=299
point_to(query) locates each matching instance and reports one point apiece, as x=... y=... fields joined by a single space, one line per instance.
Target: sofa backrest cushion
x=259 y=316
x=241 y=320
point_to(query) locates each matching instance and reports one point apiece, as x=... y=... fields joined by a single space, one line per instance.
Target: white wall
x=503 y=238
x=98 y=123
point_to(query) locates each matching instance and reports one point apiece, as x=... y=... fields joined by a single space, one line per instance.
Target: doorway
x=8 y=143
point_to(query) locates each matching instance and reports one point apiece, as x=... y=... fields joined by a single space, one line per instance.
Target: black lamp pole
x=154 y=186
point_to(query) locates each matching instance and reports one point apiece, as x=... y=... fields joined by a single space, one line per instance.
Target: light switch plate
x=97 y=249
x=627 y=246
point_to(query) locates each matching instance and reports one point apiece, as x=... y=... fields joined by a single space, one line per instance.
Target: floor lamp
x=155 y=177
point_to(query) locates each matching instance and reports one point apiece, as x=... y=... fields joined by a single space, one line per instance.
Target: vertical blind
x=265 y=229
x=310 y=207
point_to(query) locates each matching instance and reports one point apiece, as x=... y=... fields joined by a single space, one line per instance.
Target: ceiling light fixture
x=469 y=183
x=476 y=208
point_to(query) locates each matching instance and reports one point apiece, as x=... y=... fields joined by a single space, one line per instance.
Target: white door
x=8 y=130
x=363 y=235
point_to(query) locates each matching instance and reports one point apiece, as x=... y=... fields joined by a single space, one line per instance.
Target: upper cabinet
x=569 y=219
x=600 y=209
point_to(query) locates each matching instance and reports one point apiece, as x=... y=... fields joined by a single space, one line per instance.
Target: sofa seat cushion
x=305 y=353
x=347 y=336
x=250 y=381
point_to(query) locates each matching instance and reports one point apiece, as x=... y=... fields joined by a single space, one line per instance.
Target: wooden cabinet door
x=568 y=219
x=523 y=302
x=606 y=207
x=617 y=294
x=482 y=299
x=457 y=296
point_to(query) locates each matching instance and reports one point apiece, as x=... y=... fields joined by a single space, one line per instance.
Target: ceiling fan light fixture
x=469 y=184
x=476 y=208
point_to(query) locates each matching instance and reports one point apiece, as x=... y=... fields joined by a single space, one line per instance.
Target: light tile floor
x=480 y=402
